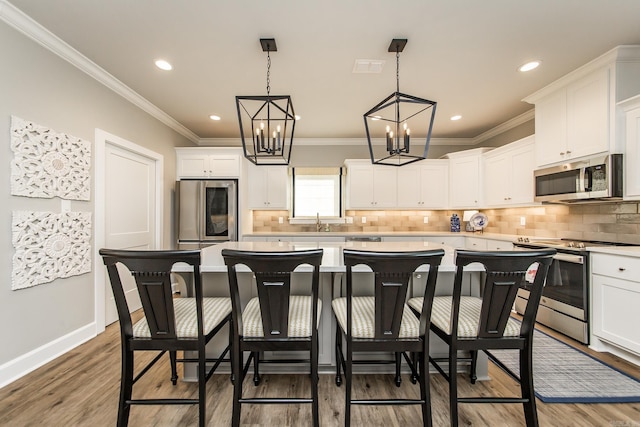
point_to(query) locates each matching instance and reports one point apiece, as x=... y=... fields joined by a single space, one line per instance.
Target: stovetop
x=566 y=244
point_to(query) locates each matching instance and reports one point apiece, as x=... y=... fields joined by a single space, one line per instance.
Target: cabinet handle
x=568 y=151
x=562 y=153
x=621 y=269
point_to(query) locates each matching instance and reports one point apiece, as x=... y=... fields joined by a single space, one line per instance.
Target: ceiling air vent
x=368 y=66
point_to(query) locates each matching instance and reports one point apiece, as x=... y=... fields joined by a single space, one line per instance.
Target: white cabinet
x=499 y=245
x=508 y=174
x=632 y=148
x=475 y=243
x=574 y=121
x=576 y=115
x=424 y=185
x=268 y=187
x=615 y=298
x=465 y=178
x=371 y=186
x=206 y=163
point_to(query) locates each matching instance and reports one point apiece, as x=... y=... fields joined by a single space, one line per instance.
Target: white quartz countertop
x=212 y=260
x=320 y=234
x=633 y=251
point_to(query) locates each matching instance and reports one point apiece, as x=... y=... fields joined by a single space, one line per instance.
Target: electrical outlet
x=426 y=220
x=349 y=220
x=364 y=219
x=280 y=220
x=523 y=220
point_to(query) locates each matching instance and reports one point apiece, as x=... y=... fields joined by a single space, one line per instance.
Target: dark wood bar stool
x=169 y=324
x=383 y=322
x=485 y=323
x=274 y=320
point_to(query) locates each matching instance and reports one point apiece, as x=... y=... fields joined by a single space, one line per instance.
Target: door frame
x=99 y=237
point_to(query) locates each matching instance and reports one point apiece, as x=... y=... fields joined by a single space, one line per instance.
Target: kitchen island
x=215 y=283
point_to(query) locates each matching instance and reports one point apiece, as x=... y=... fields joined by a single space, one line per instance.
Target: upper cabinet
x=465 y=178
x=576 y=116
x=268 y=187
x=631 y=108
x=508 y=174
x=424 y=185
x=207 y=163
x=371 y=186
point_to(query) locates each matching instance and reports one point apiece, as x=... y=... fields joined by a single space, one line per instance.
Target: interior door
x=130 y=192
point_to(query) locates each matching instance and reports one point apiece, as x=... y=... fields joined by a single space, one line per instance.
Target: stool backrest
x=392 y=274
x=152 y=273
x=506 y=273
x=272 y=272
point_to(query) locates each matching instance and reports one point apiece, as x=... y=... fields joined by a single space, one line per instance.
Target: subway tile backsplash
x=619 y=222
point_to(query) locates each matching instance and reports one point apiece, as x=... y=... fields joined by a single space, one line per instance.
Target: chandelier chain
x=268 y=73
x=397 y=70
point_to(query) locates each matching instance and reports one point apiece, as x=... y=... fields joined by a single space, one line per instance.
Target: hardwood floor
x=81 y=389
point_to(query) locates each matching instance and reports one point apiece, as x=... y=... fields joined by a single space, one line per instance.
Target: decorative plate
x=479 y=220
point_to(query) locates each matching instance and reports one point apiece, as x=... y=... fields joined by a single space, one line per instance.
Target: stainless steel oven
x=564 y=304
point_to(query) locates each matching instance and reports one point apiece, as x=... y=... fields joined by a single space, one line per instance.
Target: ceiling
x=464 y=54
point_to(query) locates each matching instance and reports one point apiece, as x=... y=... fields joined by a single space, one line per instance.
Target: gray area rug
x=563 y=374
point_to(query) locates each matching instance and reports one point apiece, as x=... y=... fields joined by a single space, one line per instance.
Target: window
x=317 y=191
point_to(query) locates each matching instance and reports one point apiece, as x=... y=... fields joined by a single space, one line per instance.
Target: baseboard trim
x=28 y=362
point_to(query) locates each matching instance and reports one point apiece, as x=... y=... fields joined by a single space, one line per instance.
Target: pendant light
x=266 y=122
x=397 y=122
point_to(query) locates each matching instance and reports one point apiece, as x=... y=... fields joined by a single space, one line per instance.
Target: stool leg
x=256 y=368
x=338 y=348
x=453 y=385
x=126 y=386
x=347 y=384
x=474 y=366
x=425 y=391
x=526 y=387
x=398 y=366
x=174 y=368
x=314 y=383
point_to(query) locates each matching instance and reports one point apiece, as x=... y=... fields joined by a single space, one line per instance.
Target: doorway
x=128 y=211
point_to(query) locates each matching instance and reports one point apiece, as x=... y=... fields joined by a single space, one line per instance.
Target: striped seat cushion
x=363 y=318
x=214 y=311
x=469 y=316
x=299 y=317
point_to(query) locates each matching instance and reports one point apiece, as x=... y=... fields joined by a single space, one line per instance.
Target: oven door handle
x=575 y=259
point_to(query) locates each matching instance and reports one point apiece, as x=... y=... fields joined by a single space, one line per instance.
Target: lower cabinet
x=615 y=298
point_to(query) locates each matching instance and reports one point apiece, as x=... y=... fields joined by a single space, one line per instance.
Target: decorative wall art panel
x=48 y=164
x=49 y=246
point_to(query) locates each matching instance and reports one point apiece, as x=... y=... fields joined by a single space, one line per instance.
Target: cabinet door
x=227 y=166
x=385 y=187
x=268 y=187
x=588 y=115
x=632 y=156
x=193 y=166
x=614 y=303
x=410 y=185
x=551 y=128
x=434 y=181
x=497 y=183
x=464 y=182
x=360 y=191
x=277 y=187
x=521 y=179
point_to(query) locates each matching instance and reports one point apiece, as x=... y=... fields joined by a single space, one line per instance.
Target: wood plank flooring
x=81 y=389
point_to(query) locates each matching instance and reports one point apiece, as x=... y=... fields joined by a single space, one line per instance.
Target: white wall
x=38 y=86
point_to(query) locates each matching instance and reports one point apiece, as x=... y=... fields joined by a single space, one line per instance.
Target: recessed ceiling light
x=163 y=65
x=214 y=117
x=456 y=117
x=532 y=65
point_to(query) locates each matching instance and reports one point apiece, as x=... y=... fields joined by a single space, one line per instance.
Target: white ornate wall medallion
x=49 y=246
x=47 y=164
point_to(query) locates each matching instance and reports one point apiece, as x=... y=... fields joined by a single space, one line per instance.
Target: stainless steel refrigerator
x=206 y=212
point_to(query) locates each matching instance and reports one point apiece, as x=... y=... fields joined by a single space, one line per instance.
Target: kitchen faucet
x=318 y=225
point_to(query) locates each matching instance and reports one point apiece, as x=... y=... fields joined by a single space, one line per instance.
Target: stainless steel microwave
x=596 y=178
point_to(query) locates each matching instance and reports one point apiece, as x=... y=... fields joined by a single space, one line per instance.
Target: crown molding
x=235 y=142
x=503 y=127
x=32 y=29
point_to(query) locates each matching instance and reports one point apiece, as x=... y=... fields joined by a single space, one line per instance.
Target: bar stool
x=485 y=323
x=384 y=322
x=275 y=320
